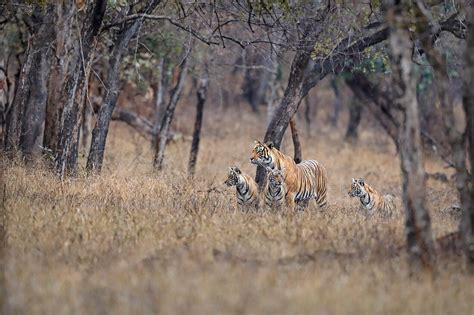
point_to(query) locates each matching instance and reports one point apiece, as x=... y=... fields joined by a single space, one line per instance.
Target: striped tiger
x=371 y=199
x=246 y=188
x=275 y=191
x=303 y=181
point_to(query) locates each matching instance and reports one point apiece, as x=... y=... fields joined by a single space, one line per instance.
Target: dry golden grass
x=133 y=242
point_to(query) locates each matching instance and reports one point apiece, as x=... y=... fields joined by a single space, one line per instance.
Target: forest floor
x=134 y=242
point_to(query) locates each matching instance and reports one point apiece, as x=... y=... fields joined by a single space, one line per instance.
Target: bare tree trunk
x=73 y=91
x=201 y=96
x=101 y=129
x=62 y=29
x=467 y=220
x=456 y=138
x=296 y=141
x=355 y=114
x=27 y=115
x=86 y=125
x=294 y=93
x=168 y=117
x=418 y=223
x=159 y=99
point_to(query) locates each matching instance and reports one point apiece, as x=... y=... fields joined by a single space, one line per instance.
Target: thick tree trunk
x=417 y=223
x=456 y=138
x=64 y=13
x=101 y=129
x=201 y=99
x=355 y=115
x=73 y=91
x=25 y=122
x=296 y=141
x=168 y=117
x=467 y=220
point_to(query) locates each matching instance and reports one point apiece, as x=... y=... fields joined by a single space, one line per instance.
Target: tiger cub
x=246 y=188
x=371 y=199
x=275 y=189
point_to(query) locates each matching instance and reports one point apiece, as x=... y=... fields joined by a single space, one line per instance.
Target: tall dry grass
x=134 y=242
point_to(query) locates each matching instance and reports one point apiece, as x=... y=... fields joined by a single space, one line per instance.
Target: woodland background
x=119 y=120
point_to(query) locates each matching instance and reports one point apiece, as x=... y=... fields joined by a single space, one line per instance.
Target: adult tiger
x=371 y=199
x=275 y=189
x=303 y=181
x=246 y=188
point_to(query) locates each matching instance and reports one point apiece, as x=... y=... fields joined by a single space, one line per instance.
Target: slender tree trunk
x=73 y=91
x=418 y=224
x=201 y=97
x=296 y=141
x=86 y=125
x=467 y=220
x=64 y=13
x=355 y=115
x=307 y=114
x=337 y=102
x=101 y=129
x=168 y=117
x=159 y=99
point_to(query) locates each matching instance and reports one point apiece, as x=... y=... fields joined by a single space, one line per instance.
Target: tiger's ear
x=361 y=182
x=353 y=180
x=237 y=170
x=269 y=144
x=257 y=142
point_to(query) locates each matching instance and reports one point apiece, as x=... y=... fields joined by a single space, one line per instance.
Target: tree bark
x=64 y=13
x=72 y=93
x=25 y=121
x=296 y=141
x=417 y=223
x=467 y=219
x=159 y=98
x=101 y=128
x=456 y=138
x=201 y=96
x=168 y=117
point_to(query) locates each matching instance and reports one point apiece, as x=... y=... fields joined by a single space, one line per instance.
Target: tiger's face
x=357 y=188
x=233 y=176
x=276 y=177
x=260 y=154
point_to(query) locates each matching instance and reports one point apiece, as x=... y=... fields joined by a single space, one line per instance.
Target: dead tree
x=201 y=99
x=168 y=116
x=62 y=28
x=101 y=128
x=72 y=93
x=417 y=222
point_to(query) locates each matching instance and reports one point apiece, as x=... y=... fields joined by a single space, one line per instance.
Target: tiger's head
x=233 y=176
x=261 y=154
x=276 y=177
x=357 y=188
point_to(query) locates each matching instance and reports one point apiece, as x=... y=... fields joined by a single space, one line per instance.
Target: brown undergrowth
x=135 y=242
